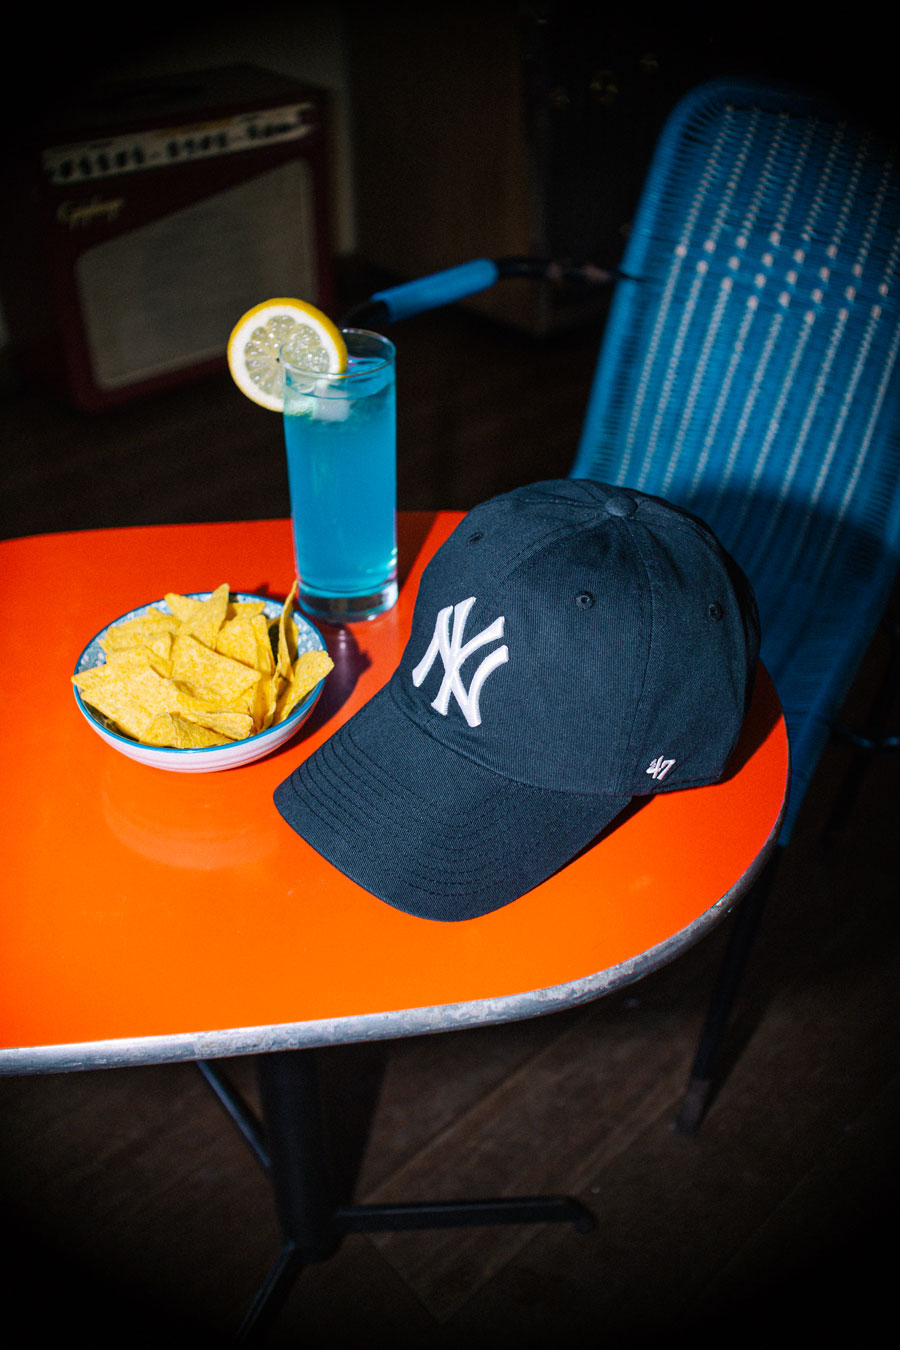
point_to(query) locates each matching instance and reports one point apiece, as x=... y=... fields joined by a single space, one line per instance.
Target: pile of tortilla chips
x=209 y=672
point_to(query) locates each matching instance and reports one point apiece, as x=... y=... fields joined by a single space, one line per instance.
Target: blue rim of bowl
x=258 y=737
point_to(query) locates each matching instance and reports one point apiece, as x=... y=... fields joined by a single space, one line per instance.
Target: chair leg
x=873 y=740
x=695 y=1101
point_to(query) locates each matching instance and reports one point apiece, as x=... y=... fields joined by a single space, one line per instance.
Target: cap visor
x=423 y=828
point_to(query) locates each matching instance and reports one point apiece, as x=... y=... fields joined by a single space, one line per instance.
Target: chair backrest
x=749 y=372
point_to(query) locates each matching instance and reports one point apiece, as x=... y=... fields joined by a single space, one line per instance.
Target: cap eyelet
x=714 y=611
x=474 y=538
x=584 y=599
x=620 y=505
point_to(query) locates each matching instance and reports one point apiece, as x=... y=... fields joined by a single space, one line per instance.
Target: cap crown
x=583 y=638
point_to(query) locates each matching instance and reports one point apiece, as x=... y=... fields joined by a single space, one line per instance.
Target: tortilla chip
x=216 y=679
x=182 y=606
x=205 y=674
x=127 y=691
x=202 y=618
x=233 y=726
x=244 y=609
x=177 y=732
x=265 y=700
x=131 y=694
x=287 y=637
x=139 y=632
x=308 y=670
x=245 y=638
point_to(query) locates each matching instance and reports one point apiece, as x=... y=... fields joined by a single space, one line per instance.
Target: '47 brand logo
x=453 y=652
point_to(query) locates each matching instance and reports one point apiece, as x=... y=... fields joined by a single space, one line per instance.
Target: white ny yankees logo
x=453 y=652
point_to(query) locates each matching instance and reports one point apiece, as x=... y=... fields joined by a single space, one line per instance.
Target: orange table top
x=149 y=916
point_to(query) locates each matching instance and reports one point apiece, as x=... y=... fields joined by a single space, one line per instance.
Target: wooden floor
x=138 y=1215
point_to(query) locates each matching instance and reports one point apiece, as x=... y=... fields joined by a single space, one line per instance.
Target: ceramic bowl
x=215 y=757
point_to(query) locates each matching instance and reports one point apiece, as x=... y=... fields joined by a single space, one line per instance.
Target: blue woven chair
x=749 y=372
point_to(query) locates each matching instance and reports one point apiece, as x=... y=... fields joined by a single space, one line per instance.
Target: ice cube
x=332 y=405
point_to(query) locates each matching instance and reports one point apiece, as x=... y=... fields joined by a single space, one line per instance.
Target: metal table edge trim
x=388 y=1025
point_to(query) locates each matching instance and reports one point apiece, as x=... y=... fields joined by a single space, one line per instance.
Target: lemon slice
x=257 y=338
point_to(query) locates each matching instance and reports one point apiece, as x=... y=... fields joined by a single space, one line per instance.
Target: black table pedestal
x=292 y=1146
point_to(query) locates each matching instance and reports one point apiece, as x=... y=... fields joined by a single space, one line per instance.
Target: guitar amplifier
x=143 y=220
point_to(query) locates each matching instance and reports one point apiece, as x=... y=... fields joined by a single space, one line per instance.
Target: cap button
x=621 y=506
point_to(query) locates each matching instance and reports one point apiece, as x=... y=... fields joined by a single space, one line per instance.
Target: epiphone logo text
x=79 y=215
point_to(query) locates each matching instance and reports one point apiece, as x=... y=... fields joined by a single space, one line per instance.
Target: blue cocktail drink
x=340 y=435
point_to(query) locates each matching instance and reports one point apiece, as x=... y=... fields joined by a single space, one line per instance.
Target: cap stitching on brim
x=403 y=807
x=322 y=790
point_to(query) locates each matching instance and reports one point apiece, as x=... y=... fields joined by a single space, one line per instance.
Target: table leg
x=310 y=1215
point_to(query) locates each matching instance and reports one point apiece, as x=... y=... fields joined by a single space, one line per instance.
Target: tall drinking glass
x=341 y=440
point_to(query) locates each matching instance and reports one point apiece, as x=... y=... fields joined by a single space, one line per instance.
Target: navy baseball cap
x=574 y=647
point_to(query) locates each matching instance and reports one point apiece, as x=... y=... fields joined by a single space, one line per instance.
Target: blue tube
x=440 y=288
